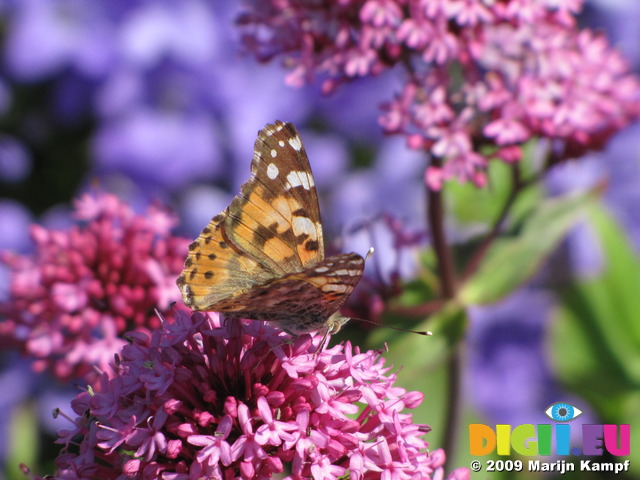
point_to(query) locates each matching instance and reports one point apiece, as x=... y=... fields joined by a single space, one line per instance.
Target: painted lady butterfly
x=263 y=257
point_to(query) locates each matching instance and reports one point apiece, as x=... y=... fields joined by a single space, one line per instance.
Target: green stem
x=448 y=284
x=518 y=184
x=483 y=248
x=442 y=249
x=453 y=414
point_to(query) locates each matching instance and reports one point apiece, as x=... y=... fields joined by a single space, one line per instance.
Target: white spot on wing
x=272 y=171
x=295 y=143
x=294 y=179
x=270 y=131
x=303 y=225
x=300 y=179
x=330 y=287
x=274 y=153
x=342 y=272
x=281 y=143
x=321 y=269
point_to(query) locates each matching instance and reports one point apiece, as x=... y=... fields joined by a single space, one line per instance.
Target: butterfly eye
x=562 y=412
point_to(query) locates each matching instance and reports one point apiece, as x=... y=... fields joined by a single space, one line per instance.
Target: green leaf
x=599 y=320
x=511 y=261
x=472 y=206
x=595 y=336
x=23 y=448
x=448 y=327
x=422 y=362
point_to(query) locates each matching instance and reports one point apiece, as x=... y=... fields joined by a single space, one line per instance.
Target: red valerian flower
x=73 y=298
x=480 y=78
x=204 y=399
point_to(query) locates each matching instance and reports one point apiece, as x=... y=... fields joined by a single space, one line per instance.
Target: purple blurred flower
x=617 y=169
x=156 y=103
x=15 y=163
x=381 y=207
x=73 y=298
x=506 y=355
x=203 y=399
x=528 y=72
x=77 y=36
x=394 y=260
x=166 y=94
x=165 y=149
x=14 y=225
x=198 y=205
x=358 y=122
x=393 y=184
x=169 y=102
x=622 y=163
x=619 y=18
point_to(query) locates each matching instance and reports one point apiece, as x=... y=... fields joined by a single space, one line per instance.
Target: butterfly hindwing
x=309 y=296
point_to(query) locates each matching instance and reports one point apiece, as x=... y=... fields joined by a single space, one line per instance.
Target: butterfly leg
x=323 y=342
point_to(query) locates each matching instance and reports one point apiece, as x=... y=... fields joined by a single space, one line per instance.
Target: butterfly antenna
x=426 y=333
x=418 y=332
x=369 y=253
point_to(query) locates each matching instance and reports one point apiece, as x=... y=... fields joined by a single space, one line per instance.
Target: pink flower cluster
x=201 y=399
x=72 y=299
x=481 y=78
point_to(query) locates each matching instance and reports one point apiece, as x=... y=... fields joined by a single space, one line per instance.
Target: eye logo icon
x=562 y=412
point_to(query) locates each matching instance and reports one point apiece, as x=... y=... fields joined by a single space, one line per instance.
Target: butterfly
x=263 y=257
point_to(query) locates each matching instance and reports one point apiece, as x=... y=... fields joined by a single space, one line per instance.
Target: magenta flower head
x=481 y=78
x=71 y=301
x=240 y=400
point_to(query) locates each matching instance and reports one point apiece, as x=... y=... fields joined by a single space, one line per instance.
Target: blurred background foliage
x=157 y=101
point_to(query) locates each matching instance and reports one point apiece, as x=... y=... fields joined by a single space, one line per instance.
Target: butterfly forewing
x=215 y=269
x=276 y=215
